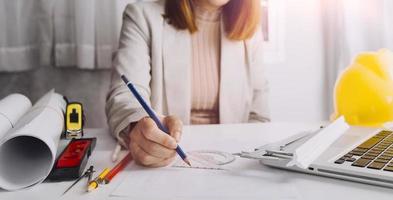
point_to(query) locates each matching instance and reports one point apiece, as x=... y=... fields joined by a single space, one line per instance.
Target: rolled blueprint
x=12 y=108
x=28 y=151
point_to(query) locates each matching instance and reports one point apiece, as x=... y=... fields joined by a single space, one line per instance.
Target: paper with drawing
x=240 y=179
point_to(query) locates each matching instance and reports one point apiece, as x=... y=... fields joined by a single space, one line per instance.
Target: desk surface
x=230 y=138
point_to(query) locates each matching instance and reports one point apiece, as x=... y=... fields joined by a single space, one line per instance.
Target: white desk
x=231 y=138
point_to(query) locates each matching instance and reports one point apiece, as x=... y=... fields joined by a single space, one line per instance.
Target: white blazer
x=156 y=58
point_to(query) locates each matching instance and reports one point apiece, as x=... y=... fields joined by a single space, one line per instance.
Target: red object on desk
x=74 y=154
x=119 y=167
x=71 y=163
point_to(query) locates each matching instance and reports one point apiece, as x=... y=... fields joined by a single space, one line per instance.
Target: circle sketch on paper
x=206 y=159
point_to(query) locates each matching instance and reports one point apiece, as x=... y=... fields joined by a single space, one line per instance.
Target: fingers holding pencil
x=149 y=146
x=153 y=116
x=175 y=126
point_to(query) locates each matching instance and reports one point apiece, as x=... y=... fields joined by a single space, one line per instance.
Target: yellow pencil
x=100 y=178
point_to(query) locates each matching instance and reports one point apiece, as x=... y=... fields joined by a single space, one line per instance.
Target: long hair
x=241 y=17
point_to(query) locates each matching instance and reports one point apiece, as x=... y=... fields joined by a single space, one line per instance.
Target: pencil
x=116 y=169
x=151 y=113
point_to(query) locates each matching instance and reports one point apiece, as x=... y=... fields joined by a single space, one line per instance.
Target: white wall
x=297 y=83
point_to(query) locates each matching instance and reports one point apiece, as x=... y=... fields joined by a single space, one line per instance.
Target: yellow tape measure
x=74 y=120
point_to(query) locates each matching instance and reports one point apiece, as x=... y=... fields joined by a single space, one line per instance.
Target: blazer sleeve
x=260 y=106
x=133 y=60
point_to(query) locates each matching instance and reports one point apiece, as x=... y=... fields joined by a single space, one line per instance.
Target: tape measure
x=74 y=120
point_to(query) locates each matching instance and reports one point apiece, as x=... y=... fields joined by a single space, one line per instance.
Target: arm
x=260 y=108
x=133 y=60
x=128 y=121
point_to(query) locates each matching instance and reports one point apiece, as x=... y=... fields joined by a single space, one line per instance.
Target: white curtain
x=86 y=32
x=62 y=33
x=25 y=34
x=351 y=27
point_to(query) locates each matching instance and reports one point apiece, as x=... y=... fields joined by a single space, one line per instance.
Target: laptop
x=360 y=154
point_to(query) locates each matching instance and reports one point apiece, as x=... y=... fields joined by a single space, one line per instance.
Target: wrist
x=125 y=134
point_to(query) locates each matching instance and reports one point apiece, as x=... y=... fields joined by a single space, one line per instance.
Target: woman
x=195 y=61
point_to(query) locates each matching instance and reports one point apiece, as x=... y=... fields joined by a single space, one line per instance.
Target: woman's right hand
x=149 y=146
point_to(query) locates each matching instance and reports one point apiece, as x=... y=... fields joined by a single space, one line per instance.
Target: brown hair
x=241 y=17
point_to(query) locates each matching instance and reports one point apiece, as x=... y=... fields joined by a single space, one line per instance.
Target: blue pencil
x=152 y=115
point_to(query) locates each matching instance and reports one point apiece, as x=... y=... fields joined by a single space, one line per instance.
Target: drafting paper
x=247 y=182
x=12 y=108
x=315 y=146
x=28 y=151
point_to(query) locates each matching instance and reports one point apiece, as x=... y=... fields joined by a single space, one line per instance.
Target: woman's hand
x=149 y=146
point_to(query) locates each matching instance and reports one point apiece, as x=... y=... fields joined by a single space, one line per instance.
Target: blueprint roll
x=28 y=150
x=12 y=108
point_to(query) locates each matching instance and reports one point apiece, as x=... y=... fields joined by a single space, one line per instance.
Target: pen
x=116 y=169
x=100 y=178
x=151 y=113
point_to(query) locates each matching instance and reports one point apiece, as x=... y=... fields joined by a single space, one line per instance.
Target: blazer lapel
x=233 y=80
x=177 y=65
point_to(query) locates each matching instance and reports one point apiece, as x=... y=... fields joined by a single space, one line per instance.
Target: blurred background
x=68 y=45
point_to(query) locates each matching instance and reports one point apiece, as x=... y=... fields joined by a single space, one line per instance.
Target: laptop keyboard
x=375 y=153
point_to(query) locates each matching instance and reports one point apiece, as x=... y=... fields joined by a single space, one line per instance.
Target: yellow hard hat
x=363 y=93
